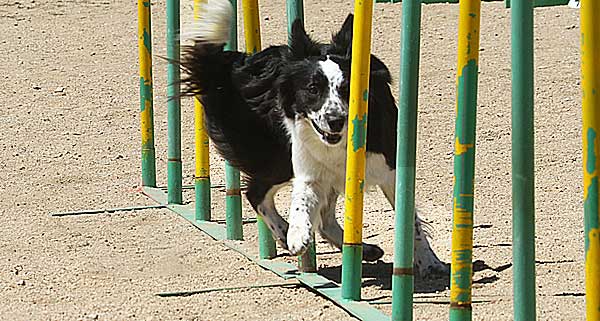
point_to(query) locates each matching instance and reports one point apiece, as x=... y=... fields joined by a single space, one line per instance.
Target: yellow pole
x=202 y=175
x=266 y=242
x=251 y=25
x=146 y=100
x=590 y=83
x=356 y=150
x=464 y=160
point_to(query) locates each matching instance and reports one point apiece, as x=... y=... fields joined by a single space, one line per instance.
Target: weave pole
x=356 y=150
x=403 y=274
x=146 y=94
x=202 y=170
x=307 y=262
x=266 y=242
x=524 y=308
x=174 y=170
x=233 y=193
x=464 y=161
x=590 y=83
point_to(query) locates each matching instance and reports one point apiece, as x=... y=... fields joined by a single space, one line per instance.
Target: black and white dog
x=282 y=113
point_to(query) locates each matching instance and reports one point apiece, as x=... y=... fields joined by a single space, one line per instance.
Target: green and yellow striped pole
x=307 y=262
x=356 y=150
x=590 y=83
x=266 y=242
x=464 y=160
x=146 y=99
x=202 y=174
x=233 y=209
x=403 y=275
x=174 y=170
x=523 y=194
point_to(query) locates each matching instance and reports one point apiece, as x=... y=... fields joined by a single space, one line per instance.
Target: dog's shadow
x=379 y=274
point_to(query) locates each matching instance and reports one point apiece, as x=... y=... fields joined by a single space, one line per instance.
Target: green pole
x=146 y=99
x=174 y=184
x=523 y=161
x=295 y=10
x=233 y=209
x=402 y=275
x=233 y=198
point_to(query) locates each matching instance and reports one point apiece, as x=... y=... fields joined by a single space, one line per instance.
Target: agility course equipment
x=590 y=83
x=348 y=295
x=199 y=213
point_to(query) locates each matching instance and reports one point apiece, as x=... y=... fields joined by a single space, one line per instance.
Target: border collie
x=282 y=113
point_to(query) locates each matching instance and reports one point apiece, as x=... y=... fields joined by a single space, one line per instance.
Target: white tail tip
x=212 y=24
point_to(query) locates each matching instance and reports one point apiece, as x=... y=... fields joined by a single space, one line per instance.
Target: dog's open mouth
x=329 y=138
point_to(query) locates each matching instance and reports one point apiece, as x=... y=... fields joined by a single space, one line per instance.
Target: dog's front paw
x=298 y=239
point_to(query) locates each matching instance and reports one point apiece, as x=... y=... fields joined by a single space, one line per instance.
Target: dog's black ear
x=301 y=44
x=341 y=43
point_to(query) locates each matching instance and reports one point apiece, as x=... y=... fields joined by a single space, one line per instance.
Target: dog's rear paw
x=371 y=253
x=432 y=269
x=298 y=239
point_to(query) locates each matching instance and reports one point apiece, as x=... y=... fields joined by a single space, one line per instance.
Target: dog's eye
x=312 y=89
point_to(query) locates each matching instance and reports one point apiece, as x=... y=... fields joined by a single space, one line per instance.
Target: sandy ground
x=70 y=140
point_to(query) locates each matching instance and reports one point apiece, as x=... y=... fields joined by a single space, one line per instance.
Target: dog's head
x=314 y=86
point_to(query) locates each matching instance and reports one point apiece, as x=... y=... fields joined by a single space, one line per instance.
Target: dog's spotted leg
x=261 y=195
x=334 y=234
x=304 y=215
x=426 y=262
x=273 y=220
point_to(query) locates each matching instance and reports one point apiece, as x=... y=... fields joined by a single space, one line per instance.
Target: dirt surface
x=70 y=140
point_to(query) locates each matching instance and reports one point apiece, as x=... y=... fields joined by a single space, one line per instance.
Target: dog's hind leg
x=334 y=234
x=262 y=198
x=426 y=262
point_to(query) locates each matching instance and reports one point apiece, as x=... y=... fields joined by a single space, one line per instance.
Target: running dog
x=282 y=113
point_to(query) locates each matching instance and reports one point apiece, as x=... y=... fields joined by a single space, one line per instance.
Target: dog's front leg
x=304 y=215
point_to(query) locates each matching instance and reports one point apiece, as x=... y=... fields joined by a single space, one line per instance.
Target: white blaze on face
x=333 y=105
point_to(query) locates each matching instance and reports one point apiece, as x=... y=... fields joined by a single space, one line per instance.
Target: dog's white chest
x=317 y=162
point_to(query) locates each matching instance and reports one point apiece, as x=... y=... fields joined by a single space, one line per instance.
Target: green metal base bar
x=108 y=210
x=536 y=3
x=544 y=3
x=325 y=287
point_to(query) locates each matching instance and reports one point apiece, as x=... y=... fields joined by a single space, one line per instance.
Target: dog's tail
x=202 y=47
x=213 y=23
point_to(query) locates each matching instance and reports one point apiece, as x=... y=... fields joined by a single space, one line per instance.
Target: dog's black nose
x=336 y=124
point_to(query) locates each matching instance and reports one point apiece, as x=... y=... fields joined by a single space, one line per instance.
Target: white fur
x=213 y=23
x=574 y=4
